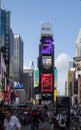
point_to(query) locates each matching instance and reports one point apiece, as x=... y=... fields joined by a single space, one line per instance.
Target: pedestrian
x=61 y=118
x=55 y=125
x=2 y=116
x=11 y=122
x=34 y=121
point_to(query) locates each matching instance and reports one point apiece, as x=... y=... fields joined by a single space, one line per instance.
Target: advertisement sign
x=36 y=78
x=1 y=96
x=47 y=62
x=6 y=99
x=9 y=93
x=46 y=29
x=18 y=85
x=46 y=45
x=77 y=63
x=46 y=82
x=55 y=77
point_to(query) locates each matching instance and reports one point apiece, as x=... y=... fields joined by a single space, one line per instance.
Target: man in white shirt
x=11 y=122
x=61 y=118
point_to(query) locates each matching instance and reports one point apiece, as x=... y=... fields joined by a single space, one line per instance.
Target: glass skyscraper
x=18 y=58
x=5 y=35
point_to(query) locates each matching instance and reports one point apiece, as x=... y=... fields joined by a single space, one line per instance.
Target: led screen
x=46 y=62
x=36 y=78
x=46 y=82
x=46 y=45
x=18 y=85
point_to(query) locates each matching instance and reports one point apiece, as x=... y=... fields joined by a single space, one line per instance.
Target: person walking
x=61 y=118
x=11 y=122
x=2 y=116
x=34 y=121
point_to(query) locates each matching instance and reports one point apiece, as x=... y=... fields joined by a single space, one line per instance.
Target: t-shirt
x=62 y=120
x=13 y=124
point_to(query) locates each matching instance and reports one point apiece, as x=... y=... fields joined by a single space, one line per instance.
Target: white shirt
x=13 y=124
x=59 y=117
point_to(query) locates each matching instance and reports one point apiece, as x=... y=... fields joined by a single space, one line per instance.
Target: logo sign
x=46 y=29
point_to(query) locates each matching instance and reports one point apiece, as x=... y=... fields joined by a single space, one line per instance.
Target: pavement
x=43 y=125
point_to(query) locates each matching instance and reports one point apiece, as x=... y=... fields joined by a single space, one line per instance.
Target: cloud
x=62 y=65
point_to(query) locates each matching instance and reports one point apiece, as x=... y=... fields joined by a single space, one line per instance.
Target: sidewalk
x=45 y=125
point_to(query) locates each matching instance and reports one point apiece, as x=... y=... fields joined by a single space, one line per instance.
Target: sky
x=27 y=16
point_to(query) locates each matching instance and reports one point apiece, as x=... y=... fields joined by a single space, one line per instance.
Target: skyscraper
x=11 y=69
x=5 y=34
x=78 y=44
x=46 y=64
x=18 y=58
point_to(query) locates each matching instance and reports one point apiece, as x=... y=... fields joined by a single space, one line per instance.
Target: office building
x=78 y=44
x=11 y=69
x=46 y=64
x=5 y=35
x=28 y=82
x=18 y=58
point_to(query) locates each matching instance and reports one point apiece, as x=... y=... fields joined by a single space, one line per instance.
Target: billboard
x=18 y=85
x=36 y=78
x=46 y=82
x=46 y=45
x=55 y=78
x=46 y=29
x=77 y=63
x=47 y=62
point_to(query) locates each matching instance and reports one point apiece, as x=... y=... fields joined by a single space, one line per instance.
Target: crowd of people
x=13 y=119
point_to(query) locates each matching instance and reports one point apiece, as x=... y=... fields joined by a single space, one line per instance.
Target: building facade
x=78 y=44
x=29 y=83
x=46 y=64
x=18 y=58
x=5 y=35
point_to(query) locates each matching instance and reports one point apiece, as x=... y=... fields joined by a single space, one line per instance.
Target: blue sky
x=27 y=16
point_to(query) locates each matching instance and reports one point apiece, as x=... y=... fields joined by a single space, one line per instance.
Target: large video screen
x=18 y=85
x=36 y=78
x=47 y=62
x=46 y=82
x=46 y=45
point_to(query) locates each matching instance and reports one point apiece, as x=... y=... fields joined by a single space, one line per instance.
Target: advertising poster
x=18 y=85
x=46 y=45
x=55 y=78
x=47 y=62
x=46 y=82
x=9 y=94
x=36 y=78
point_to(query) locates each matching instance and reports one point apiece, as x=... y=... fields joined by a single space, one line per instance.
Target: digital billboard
x=46 y=45
x=46 y=82
x=36 y=78
x=18 y=85
x=55 y=78
x=47 y=62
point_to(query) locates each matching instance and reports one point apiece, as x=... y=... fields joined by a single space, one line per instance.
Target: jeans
x=34 y=126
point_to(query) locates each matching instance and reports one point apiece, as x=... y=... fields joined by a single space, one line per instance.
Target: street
x=28 y=127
